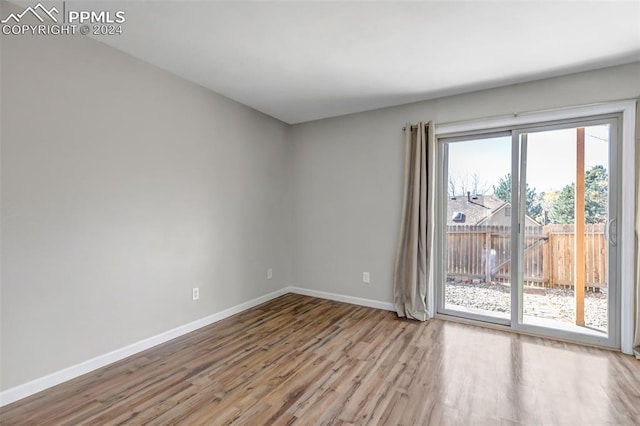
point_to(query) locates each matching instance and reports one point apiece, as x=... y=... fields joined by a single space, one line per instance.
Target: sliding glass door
x=477 y=228
x=528 y=230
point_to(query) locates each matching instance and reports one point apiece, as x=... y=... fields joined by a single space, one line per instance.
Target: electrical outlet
x=365 y=277
x=269 y=273
x=196 y=293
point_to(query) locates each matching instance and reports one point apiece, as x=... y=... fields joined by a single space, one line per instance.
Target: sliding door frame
x=441 y=220
x=518 y=134
x=612 y=338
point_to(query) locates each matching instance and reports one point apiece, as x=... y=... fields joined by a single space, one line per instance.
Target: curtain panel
x=413 y=272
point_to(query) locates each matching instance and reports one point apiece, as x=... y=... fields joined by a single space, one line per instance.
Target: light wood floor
x=301 y=360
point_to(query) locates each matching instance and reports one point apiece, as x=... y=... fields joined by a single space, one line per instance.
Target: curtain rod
x=518 y=114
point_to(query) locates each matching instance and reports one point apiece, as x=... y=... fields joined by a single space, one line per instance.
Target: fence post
x=546 y=258
x=487 y=256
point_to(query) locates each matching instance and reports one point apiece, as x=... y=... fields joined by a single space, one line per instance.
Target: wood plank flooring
x=302 y=360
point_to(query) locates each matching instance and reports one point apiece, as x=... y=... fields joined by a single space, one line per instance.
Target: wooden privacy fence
x=484 y=252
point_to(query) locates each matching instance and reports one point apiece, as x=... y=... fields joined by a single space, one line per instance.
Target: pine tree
x=562 y=210
x=596 y=195
x=532 y=206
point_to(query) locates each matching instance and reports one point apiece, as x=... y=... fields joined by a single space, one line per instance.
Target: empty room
x=319 y=213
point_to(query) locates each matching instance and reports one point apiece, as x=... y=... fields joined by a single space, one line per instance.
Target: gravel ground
x=551 y=303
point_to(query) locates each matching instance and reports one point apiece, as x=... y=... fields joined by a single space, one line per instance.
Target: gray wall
x=123 y=187
x=347 y=175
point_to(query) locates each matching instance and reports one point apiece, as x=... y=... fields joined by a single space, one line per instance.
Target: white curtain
x=413 y=273
x=636 y=340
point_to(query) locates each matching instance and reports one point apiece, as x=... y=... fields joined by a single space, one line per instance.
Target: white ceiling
x=300 y=61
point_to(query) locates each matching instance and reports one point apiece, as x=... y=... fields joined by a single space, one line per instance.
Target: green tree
x=596 y=195
x=562 y=210
x=596 y=203
x=503 y=191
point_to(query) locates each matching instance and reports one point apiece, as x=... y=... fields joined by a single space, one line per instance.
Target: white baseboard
x=22 y=391
x=387 y=306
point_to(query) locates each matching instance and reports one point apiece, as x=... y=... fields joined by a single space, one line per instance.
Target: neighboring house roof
x=477 y=209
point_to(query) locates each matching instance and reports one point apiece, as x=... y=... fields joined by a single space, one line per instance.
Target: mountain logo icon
x=39 y=11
